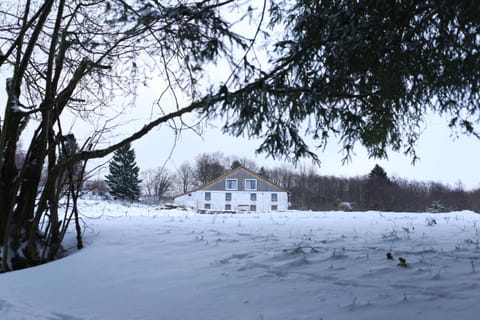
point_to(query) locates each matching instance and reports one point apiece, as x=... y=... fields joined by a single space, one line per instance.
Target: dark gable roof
x=232 y=172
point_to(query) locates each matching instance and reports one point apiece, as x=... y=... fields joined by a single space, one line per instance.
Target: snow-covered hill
x=144 y=263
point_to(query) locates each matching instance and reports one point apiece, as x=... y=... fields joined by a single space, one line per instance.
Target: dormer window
x=250 y=184
x=231 y=184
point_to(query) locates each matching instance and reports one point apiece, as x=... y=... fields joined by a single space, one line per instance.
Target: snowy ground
x=144 y=263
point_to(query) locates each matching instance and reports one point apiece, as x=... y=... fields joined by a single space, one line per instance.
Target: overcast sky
x=443 y=158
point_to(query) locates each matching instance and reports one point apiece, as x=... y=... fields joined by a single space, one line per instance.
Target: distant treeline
x=310 y=190
x=375 y=191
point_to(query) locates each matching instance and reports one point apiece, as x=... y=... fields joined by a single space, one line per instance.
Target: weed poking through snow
x=402 y=262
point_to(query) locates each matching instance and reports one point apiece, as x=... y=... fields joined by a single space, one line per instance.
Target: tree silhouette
x=366 y=75
x=343 y=69
x=378 y=190
x=378 y=173
x=123 y=179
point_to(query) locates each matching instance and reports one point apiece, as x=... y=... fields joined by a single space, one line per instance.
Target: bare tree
x=156 y=182
x=148 y=182
x=78 y=57
x=183 y=179
x=368 y=81
x=209 y=166
x=283 y=176
x=163 y=184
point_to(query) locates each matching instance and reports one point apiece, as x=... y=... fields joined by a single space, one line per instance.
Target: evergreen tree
x=123 y=179
x=362 y=74
x=378 y=191
x=378 y=173
x=235 y=164
x=352 y=71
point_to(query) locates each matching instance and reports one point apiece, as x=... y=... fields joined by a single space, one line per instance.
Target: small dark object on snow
x=403 y=262
x=389 y=256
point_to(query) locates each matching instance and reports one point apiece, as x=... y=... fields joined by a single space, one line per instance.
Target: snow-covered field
x=144 y=263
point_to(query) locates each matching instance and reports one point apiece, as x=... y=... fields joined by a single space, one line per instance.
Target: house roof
x=225 y=175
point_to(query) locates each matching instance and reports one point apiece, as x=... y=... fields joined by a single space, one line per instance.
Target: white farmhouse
x=238 y=190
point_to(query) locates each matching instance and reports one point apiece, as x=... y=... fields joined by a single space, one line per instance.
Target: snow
x=141 y=262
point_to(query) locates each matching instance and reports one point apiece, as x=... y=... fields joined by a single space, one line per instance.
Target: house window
x=253 y=207
x=228 y=207
x=208 y=196
x=250 y=184
x=274 y=197
x=207 y=206
x=253 y=197
x=228 y=196
x=274 y=207
x=231 y=184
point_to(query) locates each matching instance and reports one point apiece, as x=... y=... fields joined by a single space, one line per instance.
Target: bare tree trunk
x=72 y=55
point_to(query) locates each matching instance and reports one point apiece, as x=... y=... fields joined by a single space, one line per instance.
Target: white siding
x=240 y=200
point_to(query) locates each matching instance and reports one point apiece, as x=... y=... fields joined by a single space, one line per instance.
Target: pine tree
x=378 y=190
x=123 y=179
x=378 y=173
